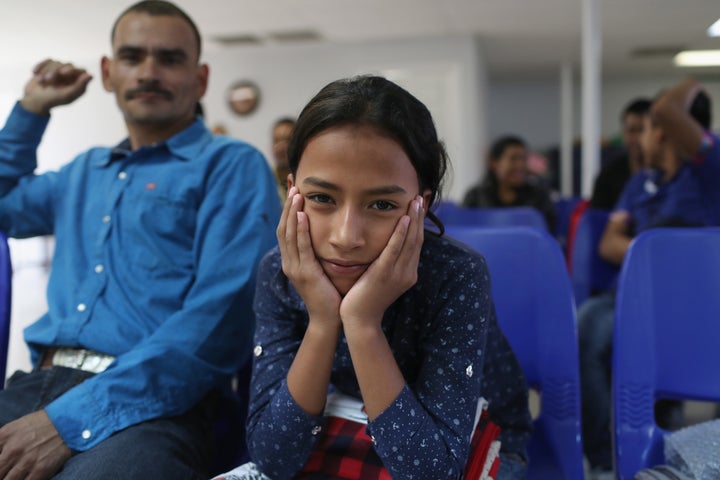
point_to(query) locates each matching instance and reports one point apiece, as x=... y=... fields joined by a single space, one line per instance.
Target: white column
x=591 y=94
x=566 y=129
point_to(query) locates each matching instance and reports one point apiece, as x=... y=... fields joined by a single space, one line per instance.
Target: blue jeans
x=595 y=333
x=512 y=467
x=170 y=448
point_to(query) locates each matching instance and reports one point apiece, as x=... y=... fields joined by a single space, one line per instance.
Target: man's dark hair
x=284 y=120
x=701 y=109
x=159 y=8
x=639 y=106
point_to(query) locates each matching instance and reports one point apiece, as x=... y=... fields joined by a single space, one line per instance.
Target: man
x=281 y=133
x=617 y=171
x=681 y=188
x=157 y=244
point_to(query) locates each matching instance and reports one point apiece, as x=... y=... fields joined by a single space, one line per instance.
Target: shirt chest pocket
x=159 y=229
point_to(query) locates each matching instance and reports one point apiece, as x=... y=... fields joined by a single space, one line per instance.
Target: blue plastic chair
x=5 y=299
x=590 y=274
x=535 y=310
x=564 y=206
x=667 y=326
x=492 y=217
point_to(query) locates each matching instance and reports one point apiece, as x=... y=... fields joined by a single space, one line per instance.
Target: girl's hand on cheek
x=390 y=275
x=300 y=265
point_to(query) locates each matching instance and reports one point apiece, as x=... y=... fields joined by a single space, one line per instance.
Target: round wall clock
x=243 y=97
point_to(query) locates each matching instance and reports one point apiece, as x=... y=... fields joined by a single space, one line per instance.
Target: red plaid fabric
x=344 y=451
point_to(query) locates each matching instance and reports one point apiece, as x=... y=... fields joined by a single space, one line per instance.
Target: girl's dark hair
x=379 y=103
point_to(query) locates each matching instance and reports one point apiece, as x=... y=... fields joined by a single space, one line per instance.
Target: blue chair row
x=667 y=326
x=590 y=274
x=452 y=214
x=534 y=303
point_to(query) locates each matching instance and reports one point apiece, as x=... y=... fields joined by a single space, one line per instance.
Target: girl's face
x=356 y=184
x=511 y=168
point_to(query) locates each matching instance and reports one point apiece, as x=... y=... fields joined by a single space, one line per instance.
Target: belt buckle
x=82 y=359
x=70 y=357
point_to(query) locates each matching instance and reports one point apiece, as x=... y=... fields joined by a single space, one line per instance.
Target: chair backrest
x=667 y=326
x=534 y=303
x=5 y=298
x=564 y=206
x=589 y=272
x=492 y=217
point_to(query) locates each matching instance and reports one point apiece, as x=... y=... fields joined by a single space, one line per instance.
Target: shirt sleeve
x=281 y=435
x=204 y=342
x=25 y=199
x=708 y=162
x=425 y=432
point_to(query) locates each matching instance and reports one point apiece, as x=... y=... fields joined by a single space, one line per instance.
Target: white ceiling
x=519 y=37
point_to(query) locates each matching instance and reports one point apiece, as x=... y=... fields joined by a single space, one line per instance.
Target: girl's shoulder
x=444 y=257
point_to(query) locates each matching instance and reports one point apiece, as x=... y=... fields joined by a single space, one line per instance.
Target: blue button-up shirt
x=156 y=252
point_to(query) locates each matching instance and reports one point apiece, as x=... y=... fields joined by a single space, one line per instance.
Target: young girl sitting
x=375 y=339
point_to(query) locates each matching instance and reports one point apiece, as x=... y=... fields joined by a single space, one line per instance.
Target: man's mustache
x=130 y=94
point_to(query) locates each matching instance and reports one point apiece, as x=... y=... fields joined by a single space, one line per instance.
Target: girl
x=362 y=316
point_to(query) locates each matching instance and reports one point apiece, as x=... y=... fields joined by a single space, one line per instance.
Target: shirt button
x=86 y=434
x=257 y=351
x=469 y=371
x=316 y=429
x=81 y=307
x=122 y=175
x=106 y=219
x=99 y=268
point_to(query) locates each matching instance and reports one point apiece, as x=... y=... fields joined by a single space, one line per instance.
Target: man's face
x=154 y=71
x=632 y=130
x=280 y=137
x=651 y=142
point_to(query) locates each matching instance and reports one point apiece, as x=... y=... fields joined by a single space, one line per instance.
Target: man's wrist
x=34 y=106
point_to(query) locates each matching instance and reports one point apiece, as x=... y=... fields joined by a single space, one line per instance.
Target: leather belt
x=77 y=358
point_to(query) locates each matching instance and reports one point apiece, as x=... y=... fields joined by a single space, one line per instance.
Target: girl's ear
x=290 y=181
x=427 y=196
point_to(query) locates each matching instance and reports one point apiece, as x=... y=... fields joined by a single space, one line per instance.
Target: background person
x=507 y=183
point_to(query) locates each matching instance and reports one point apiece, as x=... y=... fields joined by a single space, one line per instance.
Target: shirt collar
x=184 y=145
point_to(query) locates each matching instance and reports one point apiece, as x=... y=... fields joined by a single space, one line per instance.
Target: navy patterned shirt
x=447 y=343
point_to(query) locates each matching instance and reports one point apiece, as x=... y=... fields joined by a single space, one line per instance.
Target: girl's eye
x=383 y=205
x=319 y=198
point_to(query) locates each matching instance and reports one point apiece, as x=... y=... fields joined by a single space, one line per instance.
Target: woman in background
x=507 y=182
